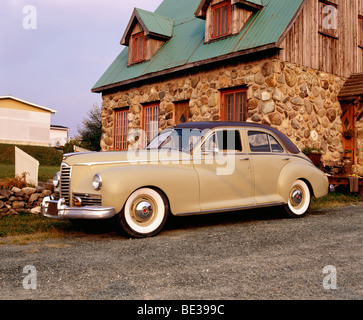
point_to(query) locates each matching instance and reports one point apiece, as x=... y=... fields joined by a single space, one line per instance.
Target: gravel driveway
x=245 y=255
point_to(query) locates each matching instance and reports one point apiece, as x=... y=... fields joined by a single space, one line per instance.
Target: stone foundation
x=300 y=102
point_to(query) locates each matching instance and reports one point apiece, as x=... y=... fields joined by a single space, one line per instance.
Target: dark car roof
x=203 y=125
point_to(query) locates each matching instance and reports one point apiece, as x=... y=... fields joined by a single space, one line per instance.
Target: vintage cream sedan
x=189 y=169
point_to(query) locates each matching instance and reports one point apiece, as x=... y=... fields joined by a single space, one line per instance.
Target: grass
x=49 y=160
x=7 y=171
x=46 y=156
x=25 y=228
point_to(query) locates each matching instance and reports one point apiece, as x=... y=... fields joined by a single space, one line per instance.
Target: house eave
x=189 y=66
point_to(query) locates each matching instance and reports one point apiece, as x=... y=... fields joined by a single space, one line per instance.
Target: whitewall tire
x=299 y=199
x=144 y=213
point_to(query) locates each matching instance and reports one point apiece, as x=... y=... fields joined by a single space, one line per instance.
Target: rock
x=6 y=193
x=34 y=197
x=295 y=124
x=15 y=189
x=269 y=107
x=28 y=191
x=36 y=210
x=18 y=204
x=290 y=77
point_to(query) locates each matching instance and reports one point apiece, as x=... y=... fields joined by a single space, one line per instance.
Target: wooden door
x=348 y=131
x=181 y=112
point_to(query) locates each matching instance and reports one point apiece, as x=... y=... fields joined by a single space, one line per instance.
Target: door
x=224 y=172
x=348 y=131
x=267 y=160
x=181 y=112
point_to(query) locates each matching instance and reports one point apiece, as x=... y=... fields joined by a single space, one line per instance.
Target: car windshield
x=176 y=139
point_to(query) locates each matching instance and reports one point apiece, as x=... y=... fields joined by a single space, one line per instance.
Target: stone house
x=278 y=62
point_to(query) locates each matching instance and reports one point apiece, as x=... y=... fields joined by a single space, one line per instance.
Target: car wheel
x=299 y=200
x=144 y=213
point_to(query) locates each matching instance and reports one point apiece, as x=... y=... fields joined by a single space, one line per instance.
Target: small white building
x=23 y=122
x=58 y=136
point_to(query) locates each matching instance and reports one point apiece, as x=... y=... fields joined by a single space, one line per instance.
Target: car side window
x=224 y=141
x=263 y=142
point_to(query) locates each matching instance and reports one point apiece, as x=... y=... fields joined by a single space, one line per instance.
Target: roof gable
x=252 y=5
x=152 y=24
x=187 y=49
x=33 y=105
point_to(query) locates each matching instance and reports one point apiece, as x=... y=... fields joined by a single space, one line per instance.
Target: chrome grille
x=88 y=199
x=65 y=183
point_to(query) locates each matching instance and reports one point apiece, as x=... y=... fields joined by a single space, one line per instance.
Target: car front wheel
x=299 y=199
x=144 y=213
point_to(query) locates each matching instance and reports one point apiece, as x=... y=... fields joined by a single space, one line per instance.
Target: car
x=189 y=169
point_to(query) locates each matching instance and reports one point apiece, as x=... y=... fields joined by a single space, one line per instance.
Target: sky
x=52 y=52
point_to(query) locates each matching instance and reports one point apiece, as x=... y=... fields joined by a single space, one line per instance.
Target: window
x=328 y=18
x=221 y=14
x=360 y=30
x=151 y=122
x=121 y=129
x=234 y=105
x=263 y=142
x=225 y=141
x=138 y=47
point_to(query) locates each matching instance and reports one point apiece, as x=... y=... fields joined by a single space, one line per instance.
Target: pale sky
x=55 y=59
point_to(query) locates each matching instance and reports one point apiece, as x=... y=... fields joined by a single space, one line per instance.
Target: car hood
x=120 y=157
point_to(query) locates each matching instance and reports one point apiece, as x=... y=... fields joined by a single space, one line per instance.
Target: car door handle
x=244 y=159
x=286 y=159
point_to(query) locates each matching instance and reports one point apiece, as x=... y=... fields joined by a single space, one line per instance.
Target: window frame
x=218 y=8
x=216 y=135
x=269 y=136
x=224 y=105
x=360 y=31
x=121 y=129
x=150 y=112
x=136 y=57
x=327 y=32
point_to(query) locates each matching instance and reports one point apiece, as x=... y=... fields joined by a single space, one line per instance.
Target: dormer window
x=138 y=47
x=221 y=13
x=225 y=18
x=145 y=34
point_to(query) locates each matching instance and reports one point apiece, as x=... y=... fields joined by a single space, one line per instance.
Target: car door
x=268 y=157
x=224 y=171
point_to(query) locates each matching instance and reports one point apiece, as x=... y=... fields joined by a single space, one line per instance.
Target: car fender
x=179 y=183
x=316 y=179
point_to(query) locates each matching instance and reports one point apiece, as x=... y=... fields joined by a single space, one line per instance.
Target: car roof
x=203 y=125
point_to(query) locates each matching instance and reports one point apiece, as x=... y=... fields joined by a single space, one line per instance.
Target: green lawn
x=7 y=171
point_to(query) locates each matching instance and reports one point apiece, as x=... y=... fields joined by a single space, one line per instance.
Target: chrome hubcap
x=297 y=197
x=144 y=210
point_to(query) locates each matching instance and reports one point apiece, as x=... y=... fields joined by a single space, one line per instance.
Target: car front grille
x=88 y=199
x=65 y=184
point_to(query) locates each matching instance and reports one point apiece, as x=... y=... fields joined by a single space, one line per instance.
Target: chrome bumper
x=58 y=210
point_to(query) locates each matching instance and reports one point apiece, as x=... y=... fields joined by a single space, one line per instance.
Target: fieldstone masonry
x=299 y=101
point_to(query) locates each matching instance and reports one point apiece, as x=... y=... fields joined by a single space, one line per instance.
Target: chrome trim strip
x=232 y=209
x=86 y=213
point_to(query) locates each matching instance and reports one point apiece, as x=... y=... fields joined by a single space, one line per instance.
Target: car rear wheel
x=299 y=199
x=144 y=213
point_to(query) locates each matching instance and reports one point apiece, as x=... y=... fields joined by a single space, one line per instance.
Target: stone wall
x=300 y=102
x=17 y=200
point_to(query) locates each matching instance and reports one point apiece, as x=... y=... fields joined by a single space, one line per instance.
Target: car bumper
x=56 y=209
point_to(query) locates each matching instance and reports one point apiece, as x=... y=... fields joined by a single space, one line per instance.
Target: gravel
x=235 y=256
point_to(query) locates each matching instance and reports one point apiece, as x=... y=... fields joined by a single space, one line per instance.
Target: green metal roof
x=187 y=49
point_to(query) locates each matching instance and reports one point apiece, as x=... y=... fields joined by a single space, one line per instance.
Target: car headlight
x=56 y=180
x=97 y=182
